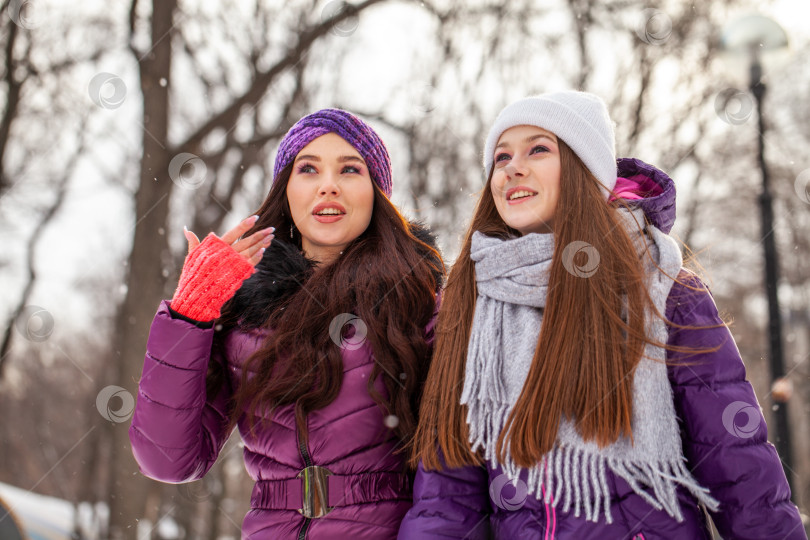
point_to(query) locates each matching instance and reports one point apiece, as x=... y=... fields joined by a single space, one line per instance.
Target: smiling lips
x=328 y=212
x=518 y=194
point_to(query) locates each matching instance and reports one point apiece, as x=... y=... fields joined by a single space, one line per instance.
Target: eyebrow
x=529 y=139
x=341 y=159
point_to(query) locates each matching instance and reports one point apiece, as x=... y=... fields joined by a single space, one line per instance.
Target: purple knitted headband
x=356 y=132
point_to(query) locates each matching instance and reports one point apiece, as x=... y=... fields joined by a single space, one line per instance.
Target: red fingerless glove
x=212 y=273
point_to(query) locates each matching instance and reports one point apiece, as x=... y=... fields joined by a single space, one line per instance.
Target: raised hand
x=251 y=248
x=215 y=268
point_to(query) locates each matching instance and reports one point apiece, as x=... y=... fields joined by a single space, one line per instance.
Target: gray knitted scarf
x=512 y=278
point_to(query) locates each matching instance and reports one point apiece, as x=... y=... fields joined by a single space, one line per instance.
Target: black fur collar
x=282 y=270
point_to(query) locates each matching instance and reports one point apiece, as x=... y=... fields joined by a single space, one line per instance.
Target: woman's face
x=526 y=178
x=331 y=196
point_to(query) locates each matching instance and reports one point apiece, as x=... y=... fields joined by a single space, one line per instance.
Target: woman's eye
x=537 y=149
x=349 y=169
x=501 y=157
x=306 y=168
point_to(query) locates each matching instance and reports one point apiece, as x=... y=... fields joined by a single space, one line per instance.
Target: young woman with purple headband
x=308 y=326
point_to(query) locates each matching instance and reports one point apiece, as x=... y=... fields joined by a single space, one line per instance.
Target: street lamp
x=752 y=35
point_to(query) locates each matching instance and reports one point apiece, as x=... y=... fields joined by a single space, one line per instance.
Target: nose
x=515 y=169
x=329 y=185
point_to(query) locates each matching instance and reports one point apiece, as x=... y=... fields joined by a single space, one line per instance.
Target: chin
x=526 y=227
x=332 y=240
x=327 y=242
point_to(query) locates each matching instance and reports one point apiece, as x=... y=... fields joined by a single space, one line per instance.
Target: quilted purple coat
x=177 y=433
x=741 y=471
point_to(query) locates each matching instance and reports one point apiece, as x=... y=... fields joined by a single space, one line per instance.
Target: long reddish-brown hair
x=586 y=352
x=387 y=278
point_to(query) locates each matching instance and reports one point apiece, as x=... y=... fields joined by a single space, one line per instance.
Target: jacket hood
x=649 y=188
x=282 y=271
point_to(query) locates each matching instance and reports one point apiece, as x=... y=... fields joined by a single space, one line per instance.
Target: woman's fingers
x=192 y=239
x=251 y=250
x=256 y=257
x=257 y=240
x=244 y=226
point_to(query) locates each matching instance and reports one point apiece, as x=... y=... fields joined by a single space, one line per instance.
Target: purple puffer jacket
x=743 y=472
x=177 y=434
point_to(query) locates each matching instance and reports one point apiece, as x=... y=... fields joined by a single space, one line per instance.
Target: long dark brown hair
x=586 y=352
x=387 y=278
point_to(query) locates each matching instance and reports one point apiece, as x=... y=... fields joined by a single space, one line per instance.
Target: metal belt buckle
x=314 y=492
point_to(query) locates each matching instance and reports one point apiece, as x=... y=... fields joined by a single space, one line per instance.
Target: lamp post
x=752 y=35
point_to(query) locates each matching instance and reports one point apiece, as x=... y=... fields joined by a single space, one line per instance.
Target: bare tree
x=219 y=87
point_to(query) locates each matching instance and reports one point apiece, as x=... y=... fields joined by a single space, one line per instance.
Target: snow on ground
x=43 y=518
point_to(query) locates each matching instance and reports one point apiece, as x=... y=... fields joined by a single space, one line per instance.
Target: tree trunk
x=145 y=282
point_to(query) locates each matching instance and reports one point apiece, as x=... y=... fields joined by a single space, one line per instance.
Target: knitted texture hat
x=356 y=132
x=580 y=119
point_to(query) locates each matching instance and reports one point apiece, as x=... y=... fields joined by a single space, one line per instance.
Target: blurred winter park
x=123 y=121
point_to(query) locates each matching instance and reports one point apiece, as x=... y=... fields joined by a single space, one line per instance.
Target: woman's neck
x=323 y=255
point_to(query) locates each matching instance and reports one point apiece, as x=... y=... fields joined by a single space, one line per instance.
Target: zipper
x=302 y=449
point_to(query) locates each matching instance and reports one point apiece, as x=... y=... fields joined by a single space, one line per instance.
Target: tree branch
x=32 y=245
x=254 y=94
x=12 y=101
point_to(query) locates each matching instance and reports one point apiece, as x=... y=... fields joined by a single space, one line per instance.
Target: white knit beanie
x=580 y=119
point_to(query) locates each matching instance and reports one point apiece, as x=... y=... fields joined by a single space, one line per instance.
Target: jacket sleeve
x=451 y=503
x=725 y=439
x=176 y=433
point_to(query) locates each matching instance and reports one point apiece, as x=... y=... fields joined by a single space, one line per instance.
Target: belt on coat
x=316 y=491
